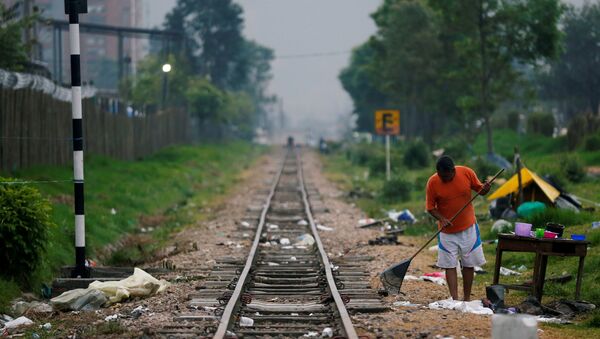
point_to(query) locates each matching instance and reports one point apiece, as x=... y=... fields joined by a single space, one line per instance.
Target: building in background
x=99 y=53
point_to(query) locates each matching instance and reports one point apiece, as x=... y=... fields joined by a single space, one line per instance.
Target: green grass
x=157 y=185
x=541 y=154
x=506 y=140
x=8 y=291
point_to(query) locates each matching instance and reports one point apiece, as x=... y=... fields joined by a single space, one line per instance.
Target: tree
x=575 y=76
x=254 y=74
x=408 y=57
x=13 y=54
x=359 y=80
x=219 y=55
x=148 y=83
x=205 y=101
x=488 y=37
x=213 y=29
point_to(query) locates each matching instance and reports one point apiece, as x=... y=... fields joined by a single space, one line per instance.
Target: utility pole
x=30 y=33
x=73 y=8
x=520 y=180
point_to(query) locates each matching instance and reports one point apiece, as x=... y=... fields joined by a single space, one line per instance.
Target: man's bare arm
x=437 y=215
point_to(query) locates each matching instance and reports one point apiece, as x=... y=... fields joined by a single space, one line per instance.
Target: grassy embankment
x=543 y=155
x=160 y=191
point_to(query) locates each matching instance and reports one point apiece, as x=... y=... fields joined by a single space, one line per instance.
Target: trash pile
x=393 y=225
x=99 y=294
x=562 y=311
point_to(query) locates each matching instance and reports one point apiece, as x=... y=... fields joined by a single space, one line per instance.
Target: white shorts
x=464 y=245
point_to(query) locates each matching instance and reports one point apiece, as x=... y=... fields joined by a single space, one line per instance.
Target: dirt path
x=213 y=236
x=218 y=236
x=400 y=322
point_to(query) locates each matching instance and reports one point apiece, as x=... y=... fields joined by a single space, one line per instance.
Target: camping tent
x=534 y=188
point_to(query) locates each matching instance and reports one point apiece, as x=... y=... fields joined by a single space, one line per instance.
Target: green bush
x=457 y=150
x=421 y=180
x=594 y=320
x=560 y=216
x=592 y=143
x=397 y=189
x=541 y=123
x=24 y=224
x=377 y=164
x=417 y=155
x=576 y=132
x=483 y=168
x=573 y=168
x=359 y=154
x=512 y=120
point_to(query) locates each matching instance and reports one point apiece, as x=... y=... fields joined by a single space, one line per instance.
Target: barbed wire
x=16 y=80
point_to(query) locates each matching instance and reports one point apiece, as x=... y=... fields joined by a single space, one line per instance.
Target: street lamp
x=166 y=68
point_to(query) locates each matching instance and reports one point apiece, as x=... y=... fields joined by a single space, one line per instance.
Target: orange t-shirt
x=449 y=197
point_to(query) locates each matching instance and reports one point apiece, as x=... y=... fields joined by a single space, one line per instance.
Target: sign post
x=388 y=165
x=387 y=122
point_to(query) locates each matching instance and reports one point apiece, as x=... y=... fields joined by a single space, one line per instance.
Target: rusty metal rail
x=308 y=277
x=341 y=308
x=237 y=293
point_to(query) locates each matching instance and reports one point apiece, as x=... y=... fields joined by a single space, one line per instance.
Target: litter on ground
x=246 y=322
x=113 y=317
x=140 y=284
x=84 y=299
x=302 y=222
x=367 y=221
x=405 y=304
x=435 y=280
x=475 y=306
x=304 y=240
x=506 y=272
x=98 y=294
x=20 y=321
x=404 y=215
x=553 y=320
x=324 y=228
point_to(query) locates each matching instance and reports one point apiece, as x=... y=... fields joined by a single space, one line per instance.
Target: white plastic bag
x=140 y=284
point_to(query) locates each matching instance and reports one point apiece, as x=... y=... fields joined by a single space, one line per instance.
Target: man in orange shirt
x=447 y=192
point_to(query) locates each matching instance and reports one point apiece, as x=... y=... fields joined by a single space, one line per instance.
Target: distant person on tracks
x=448 y=190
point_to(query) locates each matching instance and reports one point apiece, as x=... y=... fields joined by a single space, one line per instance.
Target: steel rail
x=235 y=297
x=349 y=330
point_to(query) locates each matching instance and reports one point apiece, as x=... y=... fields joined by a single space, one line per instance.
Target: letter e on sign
x=387 y=122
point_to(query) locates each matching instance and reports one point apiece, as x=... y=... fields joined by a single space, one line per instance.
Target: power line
x=312 y=55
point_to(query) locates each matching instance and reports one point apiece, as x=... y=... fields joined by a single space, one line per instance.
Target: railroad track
x=286 y=287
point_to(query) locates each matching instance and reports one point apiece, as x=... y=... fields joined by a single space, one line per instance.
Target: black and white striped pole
x=73 y=8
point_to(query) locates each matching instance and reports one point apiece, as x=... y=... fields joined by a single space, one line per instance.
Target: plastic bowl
x=579 y=237
x=554 y=227
x=550 y=235
x=523 y=229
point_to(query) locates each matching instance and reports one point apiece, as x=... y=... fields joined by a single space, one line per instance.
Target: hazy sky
x=309 y=87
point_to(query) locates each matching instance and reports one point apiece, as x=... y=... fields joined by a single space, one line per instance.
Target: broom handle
x=454 y=217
